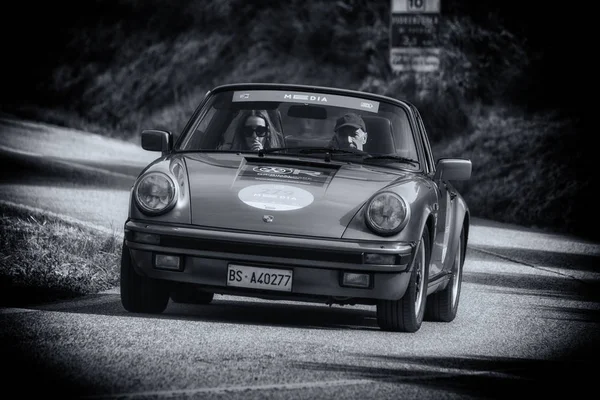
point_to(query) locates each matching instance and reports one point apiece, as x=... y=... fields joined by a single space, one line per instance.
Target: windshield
x=303 y=123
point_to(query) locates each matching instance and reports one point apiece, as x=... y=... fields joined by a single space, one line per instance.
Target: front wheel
x=442 y=306
x=406 y=314
x=140 y=294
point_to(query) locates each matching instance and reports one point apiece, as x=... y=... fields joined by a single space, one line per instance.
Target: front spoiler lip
x=279 y=242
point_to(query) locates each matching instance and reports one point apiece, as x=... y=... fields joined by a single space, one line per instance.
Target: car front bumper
x=318 y=264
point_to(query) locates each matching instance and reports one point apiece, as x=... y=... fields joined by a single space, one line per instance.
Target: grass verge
x=44 y=259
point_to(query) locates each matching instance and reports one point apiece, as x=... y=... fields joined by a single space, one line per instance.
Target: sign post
x=414 y=28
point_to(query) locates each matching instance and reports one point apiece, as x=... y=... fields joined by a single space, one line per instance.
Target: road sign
x=414 y=29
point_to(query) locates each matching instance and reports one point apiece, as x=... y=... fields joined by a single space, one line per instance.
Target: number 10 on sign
x=416 y=6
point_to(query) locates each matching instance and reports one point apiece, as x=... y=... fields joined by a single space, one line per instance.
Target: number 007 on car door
x=259 y=278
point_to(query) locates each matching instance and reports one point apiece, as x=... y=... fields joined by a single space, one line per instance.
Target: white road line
x=21 y=152
x=76 y=303
x=60 y=306
x=16 y=310
x=64 y=217
x=451 y=373
x=72 y=164
x=527 y=264
x=229 y=389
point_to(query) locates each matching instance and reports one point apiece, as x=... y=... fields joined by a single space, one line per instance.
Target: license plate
x=259 y=278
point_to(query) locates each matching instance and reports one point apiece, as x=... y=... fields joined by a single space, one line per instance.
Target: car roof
x=310 y=88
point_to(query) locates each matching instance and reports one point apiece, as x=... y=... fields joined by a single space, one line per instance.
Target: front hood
x=280 y=195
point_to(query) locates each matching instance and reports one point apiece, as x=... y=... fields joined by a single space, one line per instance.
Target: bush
x=529 y=170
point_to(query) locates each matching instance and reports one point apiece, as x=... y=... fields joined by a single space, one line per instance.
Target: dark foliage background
x=507 y=95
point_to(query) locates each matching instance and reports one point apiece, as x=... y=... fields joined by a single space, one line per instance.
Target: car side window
x=426 y=144
x=192 y=141
x=226 y=140
x=203 y=125
x=403 y=137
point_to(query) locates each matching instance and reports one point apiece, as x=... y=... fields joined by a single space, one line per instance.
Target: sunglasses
x=261 y=131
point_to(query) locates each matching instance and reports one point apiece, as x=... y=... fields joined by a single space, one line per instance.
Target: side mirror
x=157 y=140
x=453 y=169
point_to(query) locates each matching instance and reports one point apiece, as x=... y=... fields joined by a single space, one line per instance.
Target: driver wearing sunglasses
x=255 y=132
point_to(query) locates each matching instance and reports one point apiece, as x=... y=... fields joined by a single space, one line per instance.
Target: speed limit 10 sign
x=414 y=30
x=422 y=6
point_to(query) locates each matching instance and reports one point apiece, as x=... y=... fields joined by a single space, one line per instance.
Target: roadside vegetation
x=527 y=170
x=128 y=65
x=47 y=259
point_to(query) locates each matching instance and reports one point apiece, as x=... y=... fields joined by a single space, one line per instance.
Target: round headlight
x=155 y=193
x=386 y=213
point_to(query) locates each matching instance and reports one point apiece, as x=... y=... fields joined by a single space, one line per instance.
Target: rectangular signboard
x=414 y=30
x=415 y=59
x=419 y=6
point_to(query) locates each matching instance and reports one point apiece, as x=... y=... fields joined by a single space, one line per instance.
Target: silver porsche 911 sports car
x=296 y=192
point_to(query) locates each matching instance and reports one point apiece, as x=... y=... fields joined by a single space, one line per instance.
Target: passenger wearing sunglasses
x=256 y=132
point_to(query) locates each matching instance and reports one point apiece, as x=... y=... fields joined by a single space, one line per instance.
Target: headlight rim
x=170 y=204
x=372 y=226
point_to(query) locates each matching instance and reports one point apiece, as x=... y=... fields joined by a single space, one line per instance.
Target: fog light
x=374 y=258
x=164 y=261
x=356 y=280
x=148 y=238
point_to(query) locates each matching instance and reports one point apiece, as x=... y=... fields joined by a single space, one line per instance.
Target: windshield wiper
x=391 y=157
x=311 y=150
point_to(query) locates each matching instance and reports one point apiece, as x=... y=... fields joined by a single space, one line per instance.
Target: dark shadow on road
x=537 y=285
x=301 y=315
x=38 y=376
x=237 y=312
x=482 y=377
x=569 y=314
x=34 y=371
x=12 y=295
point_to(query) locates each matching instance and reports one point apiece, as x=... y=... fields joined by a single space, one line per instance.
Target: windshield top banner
x=306 y=98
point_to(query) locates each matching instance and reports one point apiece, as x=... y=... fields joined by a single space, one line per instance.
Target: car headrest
x=380 y=139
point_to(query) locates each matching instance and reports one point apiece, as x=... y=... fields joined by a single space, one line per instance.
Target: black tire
x=189 y=294
x=406 y=314
x=442 y=306
x=140 y=294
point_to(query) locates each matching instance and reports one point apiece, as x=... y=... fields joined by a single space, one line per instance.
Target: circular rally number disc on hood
x=275 y=197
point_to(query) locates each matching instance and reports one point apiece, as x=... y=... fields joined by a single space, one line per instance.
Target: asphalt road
x=527 y=323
